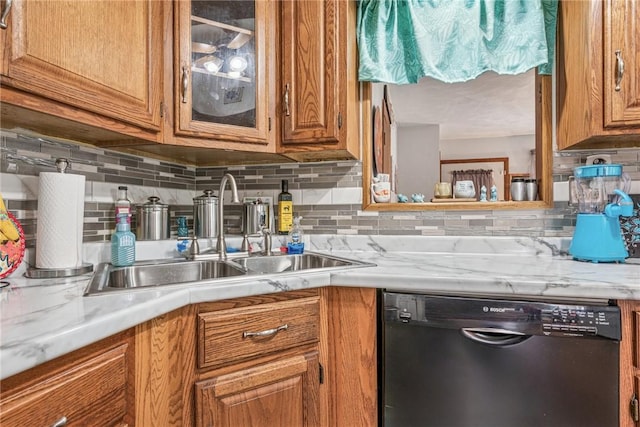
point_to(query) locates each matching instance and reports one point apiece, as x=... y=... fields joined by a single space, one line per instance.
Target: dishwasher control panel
x=576 y=320
x=520 y=317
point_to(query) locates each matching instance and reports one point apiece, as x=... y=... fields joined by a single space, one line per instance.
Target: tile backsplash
x=328 y=195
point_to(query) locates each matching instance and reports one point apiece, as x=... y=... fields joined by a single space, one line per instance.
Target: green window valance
x=401 y=41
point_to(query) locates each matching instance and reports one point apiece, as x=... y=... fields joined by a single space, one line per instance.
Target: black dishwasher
x=473 y=362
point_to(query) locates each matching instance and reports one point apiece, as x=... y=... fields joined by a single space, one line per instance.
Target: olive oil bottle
x=285 y=209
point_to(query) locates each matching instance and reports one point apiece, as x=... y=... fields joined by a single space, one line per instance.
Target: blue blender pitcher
x=601 y=201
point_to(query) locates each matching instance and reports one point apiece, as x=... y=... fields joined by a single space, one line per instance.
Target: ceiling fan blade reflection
x=240 y=40
x=202 y=48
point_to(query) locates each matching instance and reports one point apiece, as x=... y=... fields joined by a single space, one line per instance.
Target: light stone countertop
x=41 y=319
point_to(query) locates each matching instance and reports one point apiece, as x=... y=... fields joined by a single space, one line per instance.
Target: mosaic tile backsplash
x=328 y=195
x=630 y=227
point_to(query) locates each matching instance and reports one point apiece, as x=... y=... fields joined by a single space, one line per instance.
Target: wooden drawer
x=224 y=336
x=91 y=393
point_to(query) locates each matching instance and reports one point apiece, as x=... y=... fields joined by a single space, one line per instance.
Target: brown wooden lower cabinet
x=258 y=361
x=166 y=371
x=89 y=387
x=280 y=393
x=153 y=375
x=299 y=358
x=234 y=363
x=349 y=348
x=630 y=364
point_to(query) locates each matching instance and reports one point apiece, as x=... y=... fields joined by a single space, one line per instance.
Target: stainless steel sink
x=143 y=275
x=289 y=263
x=159 y=273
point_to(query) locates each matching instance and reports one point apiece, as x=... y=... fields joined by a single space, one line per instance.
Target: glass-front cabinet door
x=225 y=69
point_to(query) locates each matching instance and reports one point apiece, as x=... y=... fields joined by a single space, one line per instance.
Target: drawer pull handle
x=265 y=333
x=5 y=12
x=286 y=100
x=60 y=423
x=619 y=69
x=185 y=84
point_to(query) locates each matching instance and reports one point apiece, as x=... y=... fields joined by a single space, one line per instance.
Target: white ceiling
x=492 y=105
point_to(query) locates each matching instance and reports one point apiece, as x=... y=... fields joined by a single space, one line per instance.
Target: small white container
x=381 y=191
x=464 y=190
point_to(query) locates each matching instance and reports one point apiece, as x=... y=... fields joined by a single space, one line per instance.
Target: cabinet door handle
x=619 y=69
x=60 y=423
x=185 y=84
x=286 y=100
x=5 y=13
x=265 y=333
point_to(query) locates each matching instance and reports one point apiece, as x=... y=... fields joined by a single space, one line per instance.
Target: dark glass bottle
x=285 y=209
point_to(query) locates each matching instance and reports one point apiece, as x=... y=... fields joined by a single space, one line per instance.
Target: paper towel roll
x=60 y=220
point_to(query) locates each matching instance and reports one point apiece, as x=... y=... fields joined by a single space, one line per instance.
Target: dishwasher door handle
x=494 y=336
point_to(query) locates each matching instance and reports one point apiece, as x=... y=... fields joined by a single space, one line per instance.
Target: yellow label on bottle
x=285 y=216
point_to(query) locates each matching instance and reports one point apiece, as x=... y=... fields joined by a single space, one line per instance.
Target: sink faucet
x=267 y=241
x=222 y=246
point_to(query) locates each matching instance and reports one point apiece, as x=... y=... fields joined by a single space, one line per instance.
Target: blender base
x=597 y=238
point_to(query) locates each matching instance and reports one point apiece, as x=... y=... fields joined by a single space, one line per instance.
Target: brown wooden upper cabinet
x=318 y=84
x=598 y=74
x=67 y=51
x=304 y=48
x=204 y=82
x=224 y=73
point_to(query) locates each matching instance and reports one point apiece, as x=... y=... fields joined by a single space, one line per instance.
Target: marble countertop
x=41 y=319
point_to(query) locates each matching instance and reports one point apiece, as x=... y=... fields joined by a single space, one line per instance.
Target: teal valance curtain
x=401 y=41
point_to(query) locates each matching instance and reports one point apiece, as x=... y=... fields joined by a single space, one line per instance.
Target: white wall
x=516 y=148
x=418 y=147
x=377 y=95
x=418 y=160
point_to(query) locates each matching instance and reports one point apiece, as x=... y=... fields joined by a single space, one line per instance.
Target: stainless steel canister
x=255 y=216
x=531 y=188
x=152 y=220
x=517 y=189
x=205 y=214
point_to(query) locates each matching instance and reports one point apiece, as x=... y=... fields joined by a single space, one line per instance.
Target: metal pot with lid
x=256 y=215
x=205 y=214
x=153 y=220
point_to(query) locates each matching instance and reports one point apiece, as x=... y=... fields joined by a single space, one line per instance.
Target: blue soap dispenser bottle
x=295 y=244
x=123 y=243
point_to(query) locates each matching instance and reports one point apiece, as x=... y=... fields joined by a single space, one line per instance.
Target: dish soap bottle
x=123 y=243
x=295 y=244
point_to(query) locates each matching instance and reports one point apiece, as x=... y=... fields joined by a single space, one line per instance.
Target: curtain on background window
x=453 y=40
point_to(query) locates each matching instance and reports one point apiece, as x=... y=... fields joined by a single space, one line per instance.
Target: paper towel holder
x=62 y=164
x=52 y=273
